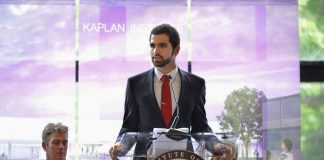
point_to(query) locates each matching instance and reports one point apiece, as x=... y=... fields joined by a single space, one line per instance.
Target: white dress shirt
x=175 y=82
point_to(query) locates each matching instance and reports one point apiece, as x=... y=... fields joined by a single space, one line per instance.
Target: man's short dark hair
x=168 y=30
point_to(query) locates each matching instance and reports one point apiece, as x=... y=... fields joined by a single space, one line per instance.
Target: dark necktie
x=166 y=104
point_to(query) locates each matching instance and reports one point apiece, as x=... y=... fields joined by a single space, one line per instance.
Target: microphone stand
x=173 y=133
x=176 y=118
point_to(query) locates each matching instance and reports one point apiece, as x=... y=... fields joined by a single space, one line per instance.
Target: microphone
x=173 y=133
x=176 y=118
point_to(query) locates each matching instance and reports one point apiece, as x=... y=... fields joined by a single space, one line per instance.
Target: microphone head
x=176 y=135
x=170 y=77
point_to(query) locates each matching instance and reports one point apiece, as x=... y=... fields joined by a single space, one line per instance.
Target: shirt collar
x=172 y=73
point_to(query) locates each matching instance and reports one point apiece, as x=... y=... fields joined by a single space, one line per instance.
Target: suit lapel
x=183 y=95
x=184 y=88
x=149 y=83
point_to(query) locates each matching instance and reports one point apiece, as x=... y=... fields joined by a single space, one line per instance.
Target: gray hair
x=52 y=128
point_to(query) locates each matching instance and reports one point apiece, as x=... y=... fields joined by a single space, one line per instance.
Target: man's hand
x=222 y=152
x=113 y=150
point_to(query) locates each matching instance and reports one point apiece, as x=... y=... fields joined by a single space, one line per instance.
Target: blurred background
x=311 y=36
x=68 y=61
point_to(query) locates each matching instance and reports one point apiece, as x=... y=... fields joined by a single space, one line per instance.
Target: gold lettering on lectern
x=178 y=154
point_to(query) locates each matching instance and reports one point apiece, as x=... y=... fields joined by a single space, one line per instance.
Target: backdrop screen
x=251 y=48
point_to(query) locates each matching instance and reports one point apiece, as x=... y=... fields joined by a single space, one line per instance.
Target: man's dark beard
x=163 y=63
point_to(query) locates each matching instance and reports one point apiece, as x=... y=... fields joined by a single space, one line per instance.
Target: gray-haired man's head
x=55 y=141
x=50 y=128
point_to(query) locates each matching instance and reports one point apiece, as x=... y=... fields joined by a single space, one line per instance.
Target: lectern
x=174 y=145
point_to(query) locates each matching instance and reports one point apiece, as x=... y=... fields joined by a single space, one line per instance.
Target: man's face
x=57 y=146
x=161 y=51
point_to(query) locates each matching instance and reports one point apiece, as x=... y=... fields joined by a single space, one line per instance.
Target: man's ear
x=44 y=146
x=176 y=50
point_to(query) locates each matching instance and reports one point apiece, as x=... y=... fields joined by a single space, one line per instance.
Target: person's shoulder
x=286 y=156
x=140 y=75
x=191 y=76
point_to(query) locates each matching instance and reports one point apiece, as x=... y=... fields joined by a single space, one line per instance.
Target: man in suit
x=145 y=103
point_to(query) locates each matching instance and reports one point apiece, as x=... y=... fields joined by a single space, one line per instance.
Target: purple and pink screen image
x=229 y=46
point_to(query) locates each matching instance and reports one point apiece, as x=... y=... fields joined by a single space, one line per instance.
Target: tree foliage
x=312 y=121
x=311 y=26
x=243 y=114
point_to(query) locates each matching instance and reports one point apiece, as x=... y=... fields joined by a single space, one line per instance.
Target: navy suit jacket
x=142 y=112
